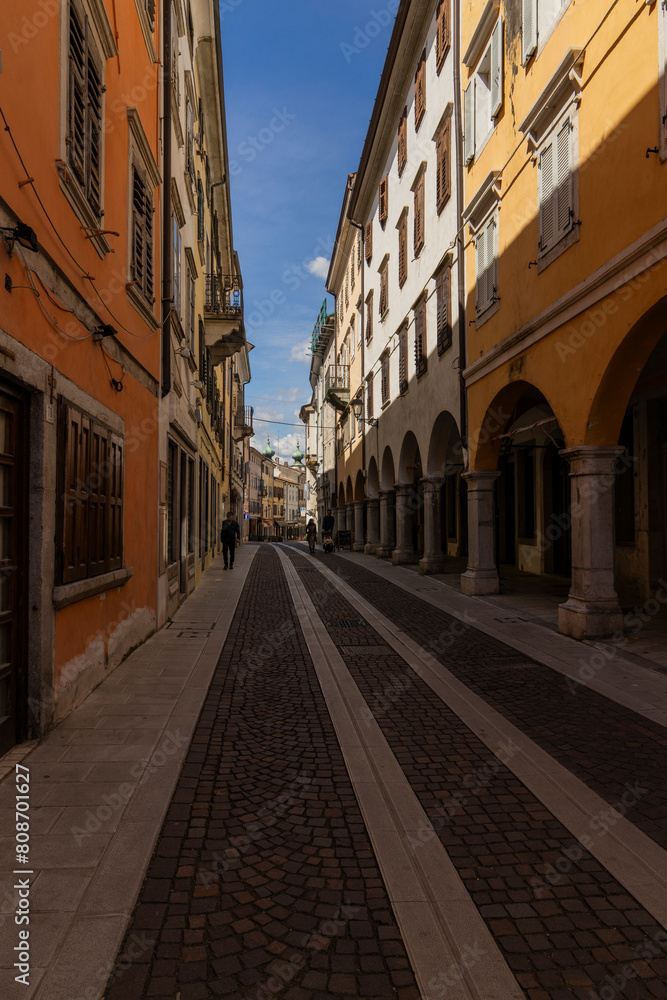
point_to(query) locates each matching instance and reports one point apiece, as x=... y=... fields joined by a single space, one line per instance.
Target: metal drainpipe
x=166 y=202
x=460 y=241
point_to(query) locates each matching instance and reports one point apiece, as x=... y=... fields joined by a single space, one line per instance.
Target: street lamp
x=357 y=405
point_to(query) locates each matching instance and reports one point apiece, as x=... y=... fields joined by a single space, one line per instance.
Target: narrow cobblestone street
x=326 y=779
x=264 y=880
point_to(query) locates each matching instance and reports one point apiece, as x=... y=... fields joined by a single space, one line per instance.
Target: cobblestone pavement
x=617 y=753
x=263 y=882
x=565 y=927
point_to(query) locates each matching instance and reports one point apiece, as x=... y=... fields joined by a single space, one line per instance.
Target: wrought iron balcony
x=243 y=426
x=337 y=385
x=224 y=294
x=322 y=331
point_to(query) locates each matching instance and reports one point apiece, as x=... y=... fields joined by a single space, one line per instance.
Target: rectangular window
x=384 y=377
x=384 y=200
x=486 y=250
x=149 y=7
x=91 y=457
x=443 y=293
x=403 y=360
x=421 y=351
x=141 y=267
x=443 y=154
x=190 y=141
x=85 y=89
x=191 y=310
x=192 y=526
x=538 y=17
x=177 y=263
x=483 y=97
x=403 y=249
x=359 y=249
x=420 y=90
x=369 y=397
x=419 y=215
x=369 y=241
x=172 y=503
x=384 y=287
x=369 y=317
x=442 y=33
x=555 y=187
x=403 y=142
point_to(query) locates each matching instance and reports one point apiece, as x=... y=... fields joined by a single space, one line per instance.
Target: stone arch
x=373 y=481
x=444 y=450
x=620 y=377
x=409 y=460
x=388 y=476
x=508 y=406
x=349 y=493
x=341 y=495
x=360 y=486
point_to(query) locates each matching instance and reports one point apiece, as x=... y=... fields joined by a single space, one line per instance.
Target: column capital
x=482 y=480
x=386 y=494
x=591 y=459
x=402 y=489
x=432 y=482
x=358 y=504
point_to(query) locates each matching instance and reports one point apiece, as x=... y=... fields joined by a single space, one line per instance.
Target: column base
x=382 y=552
x=403 y=557
x=477 y=582
x=358 y=546
x=580 y=620
x=432 y=564
x=370 y=550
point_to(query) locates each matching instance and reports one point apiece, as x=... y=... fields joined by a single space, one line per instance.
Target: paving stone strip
x=566 y=928
x=263 y=882
x=617 y=753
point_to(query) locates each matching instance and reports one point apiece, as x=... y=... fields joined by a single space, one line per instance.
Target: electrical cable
x=48 y=315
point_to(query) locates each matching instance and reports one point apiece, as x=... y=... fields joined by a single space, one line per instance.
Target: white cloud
x=301 y=352
x=286 y=444
x=319 y=267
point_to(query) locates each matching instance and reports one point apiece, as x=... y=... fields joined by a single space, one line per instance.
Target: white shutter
x=497 y=68
x=564 y=178
x=528 y=29
x=469 y=115
x=546 y=198
x=480 y=249
x=491 y=261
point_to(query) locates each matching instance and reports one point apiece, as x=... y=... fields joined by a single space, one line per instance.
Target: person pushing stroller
x=327 y=532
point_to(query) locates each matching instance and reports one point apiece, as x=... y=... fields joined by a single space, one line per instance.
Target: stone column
x=358 y=545
x=349 y=516
x=481 y=576
x=592 y=609
x=404 y=552
x=373 y=507
x=387 y=532
x=433 y=560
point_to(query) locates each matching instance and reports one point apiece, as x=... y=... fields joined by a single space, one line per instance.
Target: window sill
x=83 y=211
x=563 y=244
x=482 y=318
x=70 y=593
x=142 y=307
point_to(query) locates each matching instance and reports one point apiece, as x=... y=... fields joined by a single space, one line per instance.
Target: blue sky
x=300 y=82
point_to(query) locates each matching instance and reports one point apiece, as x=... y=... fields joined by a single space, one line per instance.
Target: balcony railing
x=322 y=331
x=337 y=379
x=224 y=294
x=243 y=421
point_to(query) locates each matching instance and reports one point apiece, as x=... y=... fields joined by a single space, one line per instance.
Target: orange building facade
x=78 y=351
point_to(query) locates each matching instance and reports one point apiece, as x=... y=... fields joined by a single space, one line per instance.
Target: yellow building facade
x=564 y=147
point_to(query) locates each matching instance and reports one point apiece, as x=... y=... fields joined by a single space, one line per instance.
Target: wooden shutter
x=443 y=166
x=443 y=307
x=491 y=262
x=403 y=249
x=419 y=216
x=384 y=199
x=150 y=11
x=385 y=379
x=564 y=178
x=142 y=236
x=420 y=91
x=75 y=448
x=421 y=353
x=528 y=29
x=403 y=360
x=497 y=68
x=469 y=126
x=115 y=502
x=480 y=253
x=369 y=241
x=384 y=289
x=403 y=142
x=94 y=128
x=369 y=397
x=369 y=318
x=76 y=138
x=547 y=198
x=442 y=33
x=97 y=500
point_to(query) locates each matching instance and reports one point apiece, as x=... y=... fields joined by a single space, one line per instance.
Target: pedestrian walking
x=228 y=535
x=311 y=535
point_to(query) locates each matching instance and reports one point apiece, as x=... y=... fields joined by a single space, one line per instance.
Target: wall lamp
x=105 y=330
x=198 y=384
x=357 y=405
x=21 y=234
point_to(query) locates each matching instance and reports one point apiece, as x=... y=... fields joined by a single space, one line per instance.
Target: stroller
x=327 y=542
